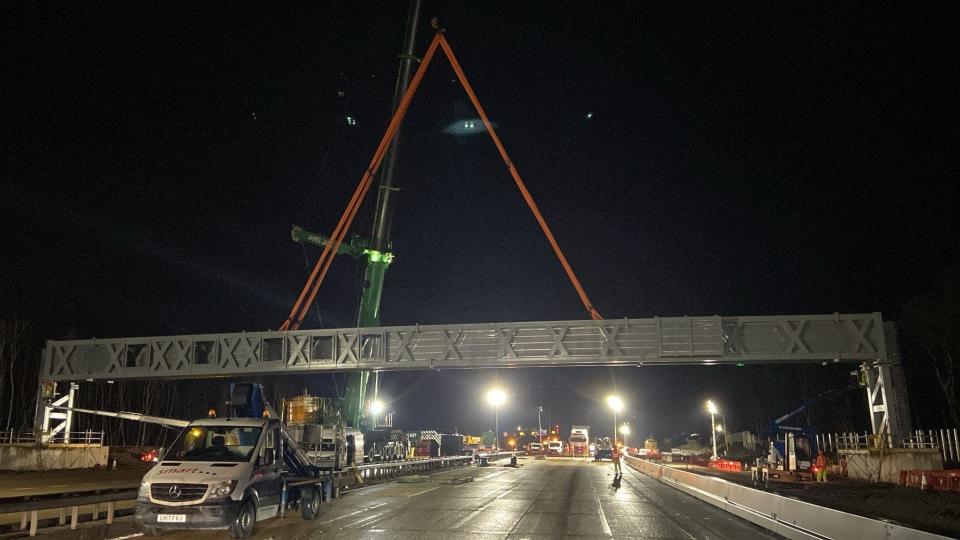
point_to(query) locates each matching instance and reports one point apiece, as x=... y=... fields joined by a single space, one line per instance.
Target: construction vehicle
x=650 y=445
x=580 y=441
x=427 y=448
x=791 y=452
x=385 y=445
x=650 y=449
x=554 y=448
x=603 y=449
x=229 y=473
x=472 y=444
x=451 y=445
x=793 y=449
x=376 y=251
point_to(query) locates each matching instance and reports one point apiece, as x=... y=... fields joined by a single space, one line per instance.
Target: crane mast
x=375 y=252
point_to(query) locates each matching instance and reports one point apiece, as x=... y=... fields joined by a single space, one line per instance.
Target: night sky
x=691 y=160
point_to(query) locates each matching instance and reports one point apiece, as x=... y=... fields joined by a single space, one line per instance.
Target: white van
x=554 y=448
x=229 y=473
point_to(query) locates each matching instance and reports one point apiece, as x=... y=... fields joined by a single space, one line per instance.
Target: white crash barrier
x=785 y=516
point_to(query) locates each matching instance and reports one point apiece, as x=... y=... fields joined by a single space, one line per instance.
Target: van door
x=266 y=474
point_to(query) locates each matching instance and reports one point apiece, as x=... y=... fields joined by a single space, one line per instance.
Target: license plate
x=171 y=518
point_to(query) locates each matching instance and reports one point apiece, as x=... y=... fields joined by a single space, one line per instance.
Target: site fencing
x=935 y=480
x=946 y=440
x=726 y=465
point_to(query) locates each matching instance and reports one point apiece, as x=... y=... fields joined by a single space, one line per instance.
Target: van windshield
x=215 y=443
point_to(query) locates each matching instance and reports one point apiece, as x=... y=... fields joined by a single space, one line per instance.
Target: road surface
x=551 y=498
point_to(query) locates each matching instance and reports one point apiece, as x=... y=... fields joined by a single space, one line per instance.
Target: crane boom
x=136 y=417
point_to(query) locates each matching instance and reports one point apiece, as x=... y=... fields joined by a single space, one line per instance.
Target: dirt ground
x=933 y=511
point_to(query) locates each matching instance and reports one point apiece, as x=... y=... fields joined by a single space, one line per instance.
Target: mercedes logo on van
x=174 y=492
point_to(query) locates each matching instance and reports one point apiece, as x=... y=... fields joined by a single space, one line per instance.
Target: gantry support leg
x=886 y=389
x=43 y=429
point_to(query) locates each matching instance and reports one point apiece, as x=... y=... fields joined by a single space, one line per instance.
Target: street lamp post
x=496 y=397
x=376 y=407
x=616 y=404
x=625 y=430
x=712 y=409
x=720 y=430
x=726 y=440
x=539 y=424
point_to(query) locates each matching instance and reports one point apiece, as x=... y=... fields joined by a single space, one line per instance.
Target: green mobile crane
x=376 y=250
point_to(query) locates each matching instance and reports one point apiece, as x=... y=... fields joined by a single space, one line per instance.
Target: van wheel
x=242 y=527
x=151 y=531
x=310 y=504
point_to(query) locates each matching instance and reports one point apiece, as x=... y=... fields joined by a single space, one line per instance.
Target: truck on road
x=580 y=441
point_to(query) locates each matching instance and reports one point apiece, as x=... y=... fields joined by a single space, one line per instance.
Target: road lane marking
x=344 y=516
x=639 y=476
x=421 y=492
x=603 y=516
x=488 y=476
x=368 y=508
x=477 y=512
x=127 y=536
x=359 y=521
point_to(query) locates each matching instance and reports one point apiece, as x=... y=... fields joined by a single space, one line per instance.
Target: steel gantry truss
x=666 y=340
x=859 y=338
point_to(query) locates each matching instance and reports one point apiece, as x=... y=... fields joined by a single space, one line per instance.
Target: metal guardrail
x=390 y=469
x=29 y=510
x=499 y=455
x=785 y=516
x=946 y=440
x=12 y=437
x=88 y=438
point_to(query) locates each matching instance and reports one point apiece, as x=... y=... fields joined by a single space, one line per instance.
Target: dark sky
x=692 y=160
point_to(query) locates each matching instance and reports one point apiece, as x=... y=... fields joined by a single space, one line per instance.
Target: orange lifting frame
x=310 y=288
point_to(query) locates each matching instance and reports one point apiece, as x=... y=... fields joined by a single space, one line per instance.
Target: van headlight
x=143 y=494
x=223 y=488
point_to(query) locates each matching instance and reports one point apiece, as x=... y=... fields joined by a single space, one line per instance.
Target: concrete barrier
x=788 y=517
x=22 y=458
x=865 y=464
